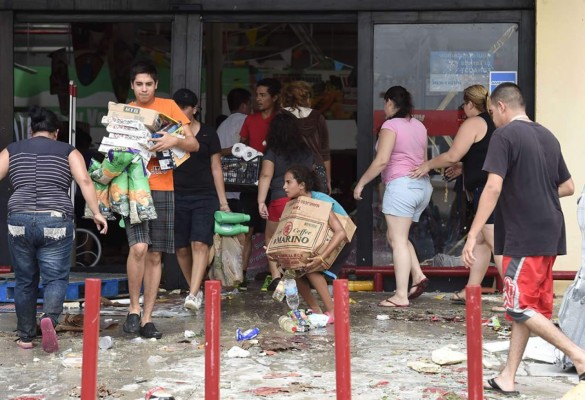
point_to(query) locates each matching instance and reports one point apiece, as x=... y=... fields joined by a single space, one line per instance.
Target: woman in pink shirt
x=402 y=145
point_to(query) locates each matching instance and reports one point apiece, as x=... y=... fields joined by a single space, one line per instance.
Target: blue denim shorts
x=194 y=219
x=407 y=197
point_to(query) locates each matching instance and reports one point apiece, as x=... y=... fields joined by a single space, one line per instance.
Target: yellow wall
x=560 y=100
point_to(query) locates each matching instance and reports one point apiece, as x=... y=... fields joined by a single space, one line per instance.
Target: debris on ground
x=238 y=352
x=424 y=367
x=448 y=355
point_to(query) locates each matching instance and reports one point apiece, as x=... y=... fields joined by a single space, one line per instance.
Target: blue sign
x=498 y=77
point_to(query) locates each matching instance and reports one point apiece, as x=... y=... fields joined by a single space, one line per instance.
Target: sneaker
x=273 y=285
x=132 y=324
x=244 y=285
x=149 y=331
x=193 y=302
x=266 y=283
x=50 y=343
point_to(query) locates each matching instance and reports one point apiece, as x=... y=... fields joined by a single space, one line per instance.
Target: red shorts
x=276 y=208
x=528 y=287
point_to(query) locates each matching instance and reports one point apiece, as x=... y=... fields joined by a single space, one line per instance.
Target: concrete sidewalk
x=281 y=365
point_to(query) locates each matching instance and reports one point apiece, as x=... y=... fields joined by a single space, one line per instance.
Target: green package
x=141 y=204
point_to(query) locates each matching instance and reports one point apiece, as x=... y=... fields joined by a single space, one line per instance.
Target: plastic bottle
x=229 y=229
x=278 y=293
x=246 y=335
x=291 y=292
x=287 y=324
x=230 y=218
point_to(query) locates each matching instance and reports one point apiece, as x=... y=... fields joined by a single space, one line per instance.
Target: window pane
x=435 y=63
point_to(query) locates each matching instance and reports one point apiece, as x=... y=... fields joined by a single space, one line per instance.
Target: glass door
x=435 y=56
x=435 y=63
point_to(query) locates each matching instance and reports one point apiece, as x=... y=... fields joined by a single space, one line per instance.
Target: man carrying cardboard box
x=149 y=239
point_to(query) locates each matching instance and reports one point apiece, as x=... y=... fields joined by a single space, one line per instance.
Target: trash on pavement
x=448 y=355
x=246 y=335
x=238 y=352
x=424 y=367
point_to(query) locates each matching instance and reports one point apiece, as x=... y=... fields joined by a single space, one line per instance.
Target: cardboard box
x=303 y=231
x=150 y=118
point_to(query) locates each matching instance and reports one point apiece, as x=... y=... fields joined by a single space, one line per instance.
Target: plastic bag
x=101 y=192
x=216 y=270
x=231 y=256
x=227 y=263
x=112 y=166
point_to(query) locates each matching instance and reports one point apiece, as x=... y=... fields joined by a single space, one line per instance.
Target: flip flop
x=50 y=342
x=24 y=345
x=420 y=288
x=394 y=305
x=457 y=298
x=582 y=377
x=496 y=388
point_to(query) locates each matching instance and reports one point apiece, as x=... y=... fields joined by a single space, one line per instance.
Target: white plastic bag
x=216 y=270
x=231 y=257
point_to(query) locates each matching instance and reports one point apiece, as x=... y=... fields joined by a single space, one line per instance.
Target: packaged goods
x=150 y=118
x=118 y=194
x=303 y=231
x=141 y=204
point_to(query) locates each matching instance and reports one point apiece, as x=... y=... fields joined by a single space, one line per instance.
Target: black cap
x=185 y=97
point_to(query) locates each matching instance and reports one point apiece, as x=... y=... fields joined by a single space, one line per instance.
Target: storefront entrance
x=349 y=57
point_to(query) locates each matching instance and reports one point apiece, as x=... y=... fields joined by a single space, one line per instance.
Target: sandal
x=390 y=304
x=24 y=345
x=420 y=288
x=457 y=299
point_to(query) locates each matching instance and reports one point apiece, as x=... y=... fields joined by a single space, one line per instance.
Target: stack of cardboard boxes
x=131 y=127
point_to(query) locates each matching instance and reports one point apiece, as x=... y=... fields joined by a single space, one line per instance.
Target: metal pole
x=342 y=349
x=91 y=331
x=212 y=331
x=474 y=343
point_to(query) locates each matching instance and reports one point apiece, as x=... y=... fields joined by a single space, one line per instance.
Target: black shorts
x=194 y=219
x=249 y=205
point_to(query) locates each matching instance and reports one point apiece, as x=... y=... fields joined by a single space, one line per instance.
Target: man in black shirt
x=526 y=177
x=199 y=192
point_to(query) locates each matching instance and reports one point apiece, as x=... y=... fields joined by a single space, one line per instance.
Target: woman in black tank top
x=467 y=155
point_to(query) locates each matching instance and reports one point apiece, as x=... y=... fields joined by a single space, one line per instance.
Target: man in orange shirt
x=149 y=239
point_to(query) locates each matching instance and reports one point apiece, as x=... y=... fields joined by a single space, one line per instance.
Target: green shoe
x=266 y=283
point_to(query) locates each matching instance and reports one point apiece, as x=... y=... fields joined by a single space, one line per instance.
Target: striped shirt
x=40 y=175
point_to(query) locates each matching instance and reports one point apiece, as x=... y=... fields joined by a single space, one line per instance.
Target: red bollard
x=91 y=333
x=378 y=282
x=212 y=331
x=342 y=350
x=474 y=343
